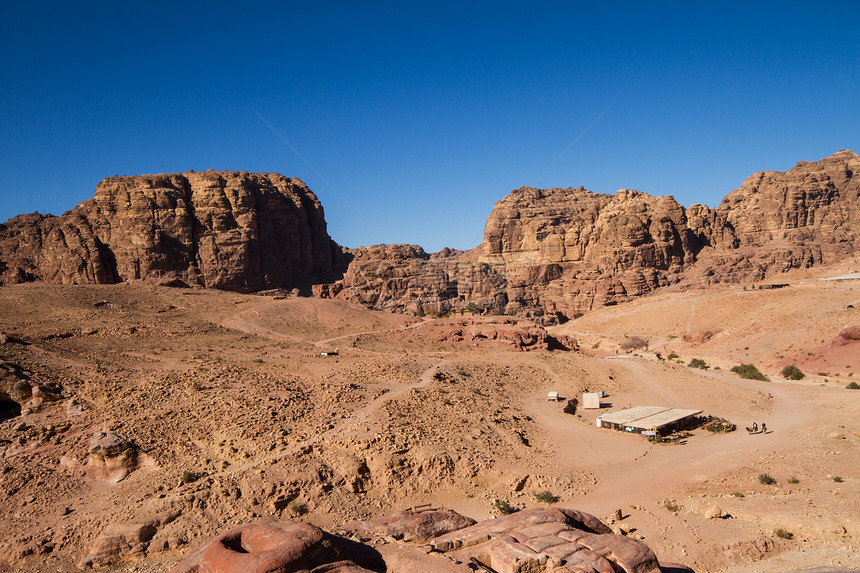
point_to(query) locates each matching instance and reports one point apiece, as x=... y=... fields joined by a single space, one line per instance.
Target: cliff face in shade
x=563 y=251
x=229 y=230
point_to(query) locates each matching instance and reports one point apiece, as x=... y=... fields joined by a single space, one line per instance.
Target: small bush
x=546 y=496
x=297 y=508
x=750 y=372
x=633 y=342
x=853 y=386
x=793 y=479
x=671 y=505
x=672 y=356
x=792 y=373
x=766 y=479
x=783 y=534
x=715 y=425
x=737 y=494
x=503 y=507
x=189 y=477
x=698 y=363
x=838 y=479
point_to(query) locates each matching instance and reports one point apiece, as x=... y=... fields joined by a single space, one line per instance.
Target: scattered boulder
x=713 y=512
x=126 y=541
x=409 y=525
x=111 y=457
x=850 y=334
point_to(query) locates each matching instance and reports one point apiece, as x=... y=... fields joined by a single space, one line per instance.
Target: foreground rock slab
x=268 y=546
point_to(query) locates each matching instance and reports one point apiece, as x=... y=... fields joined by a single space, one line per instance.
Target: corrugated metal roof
x=633 y=414
x=663 y=418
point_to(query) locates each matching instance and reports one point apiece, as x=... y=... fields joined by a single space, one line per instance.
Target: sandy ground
x=234 y=388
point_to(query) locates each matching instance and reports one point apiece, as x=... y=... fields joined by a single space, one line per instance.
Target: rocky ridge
x=558 y=252
x=547 y=253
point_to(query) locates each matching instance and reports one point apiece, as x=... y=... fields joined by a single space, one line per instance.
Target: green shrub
x=783 y=534
x=698 y=363
x=750 y=372
x=546 y=496
x=793 y=479
x=297 y=508
x=838 y=479
x=792 y=373
x=737 y=494
x=189 y=477
x=503 y=507
x=672 y=356
x=766 y=479
x=853 y=386
x=715 y=424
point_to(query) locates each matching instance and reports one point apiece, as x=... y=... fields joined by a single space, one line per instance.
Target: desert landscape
x=189 y=353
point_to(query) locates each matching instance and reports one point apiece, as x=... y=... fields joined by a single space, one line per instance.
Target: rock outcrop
x=229 y=230
x=547 y=254
x=280 y=546
x=410 y=525
x=551 y=253
x=534 y=540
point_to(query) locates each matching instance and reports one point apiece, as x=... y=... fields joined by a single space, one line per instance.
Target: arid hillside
x=162 y=416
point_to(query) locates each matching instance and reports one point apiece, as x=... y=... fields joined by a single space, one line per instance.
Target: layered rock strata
x=228 y=230
x=546 y=253
x=558 y=252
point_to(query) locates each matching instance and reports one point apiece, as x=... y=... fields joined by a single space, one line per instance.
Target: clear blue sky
x=422 y=115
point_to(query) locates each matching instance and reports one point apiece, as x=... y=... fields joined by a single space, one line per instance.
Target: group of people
x=755 y=428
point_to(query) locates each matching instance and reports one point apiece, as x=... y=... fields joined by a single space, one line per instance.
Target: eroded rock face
x=550 y=253
x=229 y=230
x=547 y=254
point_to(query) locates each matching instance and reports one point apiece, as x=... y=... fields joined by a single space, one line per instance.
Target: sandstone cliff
x=547 y=253
x=556 y=252
x=229 y=230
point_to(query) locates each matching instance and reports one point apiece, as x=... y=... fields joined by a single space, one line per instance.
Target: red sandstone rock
x=850 y=334
x=410 y=526
x=268 y=546
x=528 y=540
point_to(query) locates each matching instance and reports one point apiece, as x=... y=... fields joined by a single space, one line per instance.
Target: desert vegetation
x=750 y=372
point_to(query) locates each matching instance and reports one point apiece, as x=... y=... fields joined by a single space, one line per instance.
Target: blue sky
x=422 y=115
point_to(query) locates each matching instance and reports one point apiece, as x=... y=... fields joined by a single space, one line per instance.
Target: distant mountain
x=556 y=252
x=547 y=253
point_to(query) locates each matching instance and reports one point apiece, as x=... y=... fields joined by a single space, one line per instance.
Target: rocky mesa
x=557 y=252
x=228 y=230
